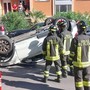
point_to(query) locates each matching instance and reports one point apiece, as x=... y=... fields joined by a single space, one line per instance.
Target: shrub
x=14 y=20
x=74 y=16
x=37 y=16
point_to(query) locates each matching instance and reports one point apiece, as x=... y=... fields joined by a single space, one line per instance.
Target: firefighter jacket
x=52 y=46
x=80 y=51
x=66 y=38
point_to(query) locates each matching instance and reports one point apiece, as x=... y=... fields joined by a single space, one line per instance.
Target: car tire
x=7 y=58
x=57 y=19
x=5 y=44
x=49 y=21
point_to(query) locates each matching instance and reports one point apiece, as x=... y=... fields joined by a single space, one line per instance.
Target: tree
x=74 y=16
x=36 y=16
x=14 y=20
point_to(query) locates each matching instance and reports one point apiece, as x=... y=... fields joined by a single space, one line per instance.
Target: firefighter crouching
x=52 y=46
x=66 y=38
x=80 y=55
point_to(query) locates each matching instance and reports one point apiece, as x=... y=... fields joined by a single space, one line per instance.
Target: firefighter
x=80 y=57
x=66 y=38
x=52 y=46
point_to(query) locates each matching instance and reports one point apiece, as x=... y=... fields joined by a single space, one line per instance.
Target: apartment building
x=48 y=7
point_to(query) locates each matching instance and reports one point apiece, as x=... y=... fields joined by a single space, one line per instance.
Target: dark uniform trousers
x=48 y=66
x=64 y=63
x=82 y=78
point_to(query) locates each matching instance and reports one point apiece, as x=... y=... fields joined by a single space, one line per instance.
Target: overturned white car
x=27 y=45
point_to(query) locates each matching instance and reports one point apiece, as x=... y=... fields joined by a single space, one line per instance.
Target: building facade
x=81 y=6
x=48 y=7
x=6 y=5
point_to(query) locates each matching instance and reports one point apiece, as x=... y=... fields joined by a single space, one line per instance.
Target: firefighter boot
x=58 y=78
x=71 y=71
x=45 y=79
x=64 y=73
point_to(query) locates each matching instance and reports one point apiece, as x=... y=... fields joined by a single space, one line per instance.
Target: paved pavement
x=29 y=77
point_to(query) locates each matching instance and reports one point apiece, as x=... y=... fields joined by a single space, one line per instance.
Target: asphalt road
x=29 y=77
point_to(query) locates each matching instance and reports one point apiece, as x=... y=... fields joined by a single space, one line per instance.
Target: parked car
x=18 y=48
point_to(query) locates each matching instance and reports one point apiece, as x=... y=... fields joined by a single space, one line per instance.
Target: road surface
x=29 y=77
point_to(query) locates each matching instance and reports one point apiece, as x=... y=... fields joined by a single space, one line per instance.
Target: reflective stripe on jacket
x=52 y=51
x=81 y=48
x=52 y=46
x=66 y=37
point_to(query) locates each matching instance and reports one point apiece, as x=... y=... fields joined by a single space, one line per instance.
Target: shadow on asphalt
x=27 y=72
x=29 y=85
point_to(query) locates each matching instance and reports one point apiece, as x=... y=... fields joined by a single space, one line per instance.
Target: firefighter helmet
x=81 y=25
x=52 y=28
x=62 y=23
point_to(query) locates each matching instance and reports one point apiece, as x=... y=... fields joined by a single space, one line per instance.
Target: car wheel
x=5 y=59
x=49 y=20
x=5 y=44
x=61 y=18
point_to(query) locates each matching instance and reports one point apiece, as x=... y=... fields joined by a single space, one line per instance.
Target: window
x=57 y=8
x=63 y=8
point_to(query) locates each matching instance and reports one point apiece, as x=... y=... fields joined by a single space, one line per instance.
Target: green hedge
x=74 y=16
x=15 y=20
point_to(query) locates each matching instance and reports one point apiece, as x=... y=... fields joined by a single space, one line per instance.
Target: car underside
x=14 y=50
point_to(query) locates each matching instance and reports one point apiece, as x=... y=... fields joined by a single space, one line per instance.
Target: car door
x=29 y=45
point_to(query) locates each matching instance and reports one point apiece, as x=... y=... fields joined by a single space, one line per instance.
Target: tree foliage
x=74 y=16
x=14 y=20
x=36 y=16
